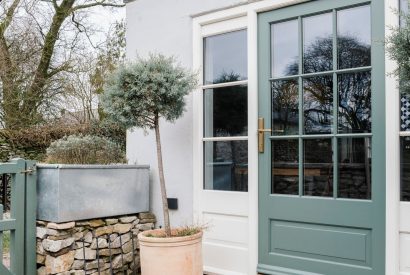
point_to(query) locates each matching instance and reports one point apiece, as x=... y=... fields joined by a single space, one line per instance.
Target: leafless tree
x=40 y=43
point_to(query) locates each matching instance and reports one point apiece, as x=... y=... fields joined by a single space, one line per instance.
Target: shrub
x=78 y=149
x=31 y=143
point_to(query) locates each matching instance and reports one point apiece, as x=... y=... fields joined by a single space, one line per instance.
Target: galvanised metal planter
x=79 y=192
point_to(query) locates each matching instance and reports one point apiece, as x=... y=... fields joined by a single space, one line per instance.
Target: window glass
x=354 y=91
x=404 y=126
x=332 y=113
x=354 y=168
x=226 y=165
x=354 y=37
x=318 y=104
x=404 y=9
x=285 y=167
x=285 y=48
x=317 y=43
x=405 y=112
x=225 y=57
x=318 y=167
x=226 y=111
x=285 y=107
x=405 y=168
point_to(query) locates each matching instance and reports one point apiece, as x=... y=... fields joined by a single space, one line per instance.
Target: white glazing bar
x=225 y=84
x=404 y=133
x=224 y=138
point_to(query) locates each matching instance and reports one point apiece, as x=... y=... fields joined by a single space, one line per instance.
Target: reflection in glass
x=404 y=9
x=226 y=165
x=353 y=37
x=285 y=169
x=404 y=112
x=405 y=168
x=226 y=111
x=285 y=107
x=354 y=168
x=318 y=104
x=354 y=91
x=317 y=43
x=404 y=6
x=318 y=167
x=225 y=57
x=284 y=48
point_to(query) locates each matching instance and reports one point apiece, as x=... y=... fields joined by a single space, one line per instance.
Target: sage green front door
x=321 y=138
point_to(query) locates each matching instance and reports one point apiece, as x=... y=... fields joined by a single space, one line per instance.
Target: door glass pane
x=354 y=91
x=225 y=57
x=285 y=48
x=285 y=107
x=317 y=43
x=405 y=168
x=354 y=168
x=318 y=167
x=285 y=169
x=404 y=112
x=353 y=37
x=226 y=111
x=318 y=104
x=226 y=165
x=404 y=10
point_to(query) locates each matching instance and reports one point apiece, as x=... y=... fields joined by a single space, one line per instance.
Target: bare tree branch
x=9 y=16
x=97 y=3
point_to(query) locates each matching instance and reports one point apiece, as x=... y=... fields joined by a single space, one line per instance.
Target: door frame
x=251 y=11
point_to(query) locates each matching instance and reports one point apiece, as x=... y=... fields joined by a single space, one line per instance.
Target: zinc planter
x=80 y=192
x=171 y=256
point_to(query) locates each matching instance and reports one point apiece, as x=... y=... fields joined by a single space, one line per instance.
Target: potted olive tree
x=140 y=94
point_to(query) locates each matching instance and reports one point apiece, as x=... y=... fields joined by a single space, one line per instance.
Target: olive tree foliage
x=142 y=92
x=40 y=41
x=398 y=48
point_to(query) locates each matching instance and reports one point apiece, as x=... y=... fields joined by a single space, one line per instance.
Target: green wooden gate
x=22 y=221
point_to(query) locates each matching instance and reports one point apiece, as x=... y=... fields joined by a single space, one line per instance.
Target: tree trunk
x=165 y=209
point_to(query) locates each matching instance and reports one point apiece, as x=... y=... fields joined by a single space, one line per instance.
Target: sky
x=104 y=17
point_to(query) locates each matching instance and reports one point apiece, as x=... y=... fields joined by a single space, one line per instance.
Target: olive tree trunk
x=165 y=209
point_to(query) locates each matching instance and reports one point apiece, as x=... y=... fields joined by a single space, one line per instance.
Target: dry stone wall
x=99 y=246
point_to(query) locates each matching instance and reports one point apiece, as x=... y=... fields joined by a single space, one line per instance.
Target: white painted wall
x=166 y=27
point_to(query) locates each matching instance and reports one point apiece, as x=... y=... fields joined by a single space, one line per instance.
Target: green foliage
x=141 y=92
x=78 y=149
x=398 y=47
x=109 y=129
x=31 y=143
x=178 y=232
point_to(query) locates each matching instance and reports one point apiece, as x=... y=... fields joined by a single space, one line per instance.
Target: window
x=405 y=133
x=225 y=99
x=321 y=104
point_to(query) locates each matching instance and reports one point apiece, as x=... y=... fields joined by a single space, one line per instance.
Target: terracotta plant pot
x=170 y=256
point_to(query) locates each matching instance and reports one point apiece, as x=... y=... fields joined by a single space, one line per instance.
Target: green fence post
x=17 y=236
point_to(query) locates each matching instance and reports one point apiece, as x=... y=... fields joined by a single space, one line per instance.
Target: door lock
x=261 y=136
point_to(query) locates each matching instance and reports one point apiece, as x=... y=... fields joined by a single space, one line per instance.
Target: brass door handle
x=261 y=136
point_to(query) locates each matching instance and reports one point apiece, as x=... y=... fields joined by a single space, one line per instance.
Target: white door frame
x=222 y=21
